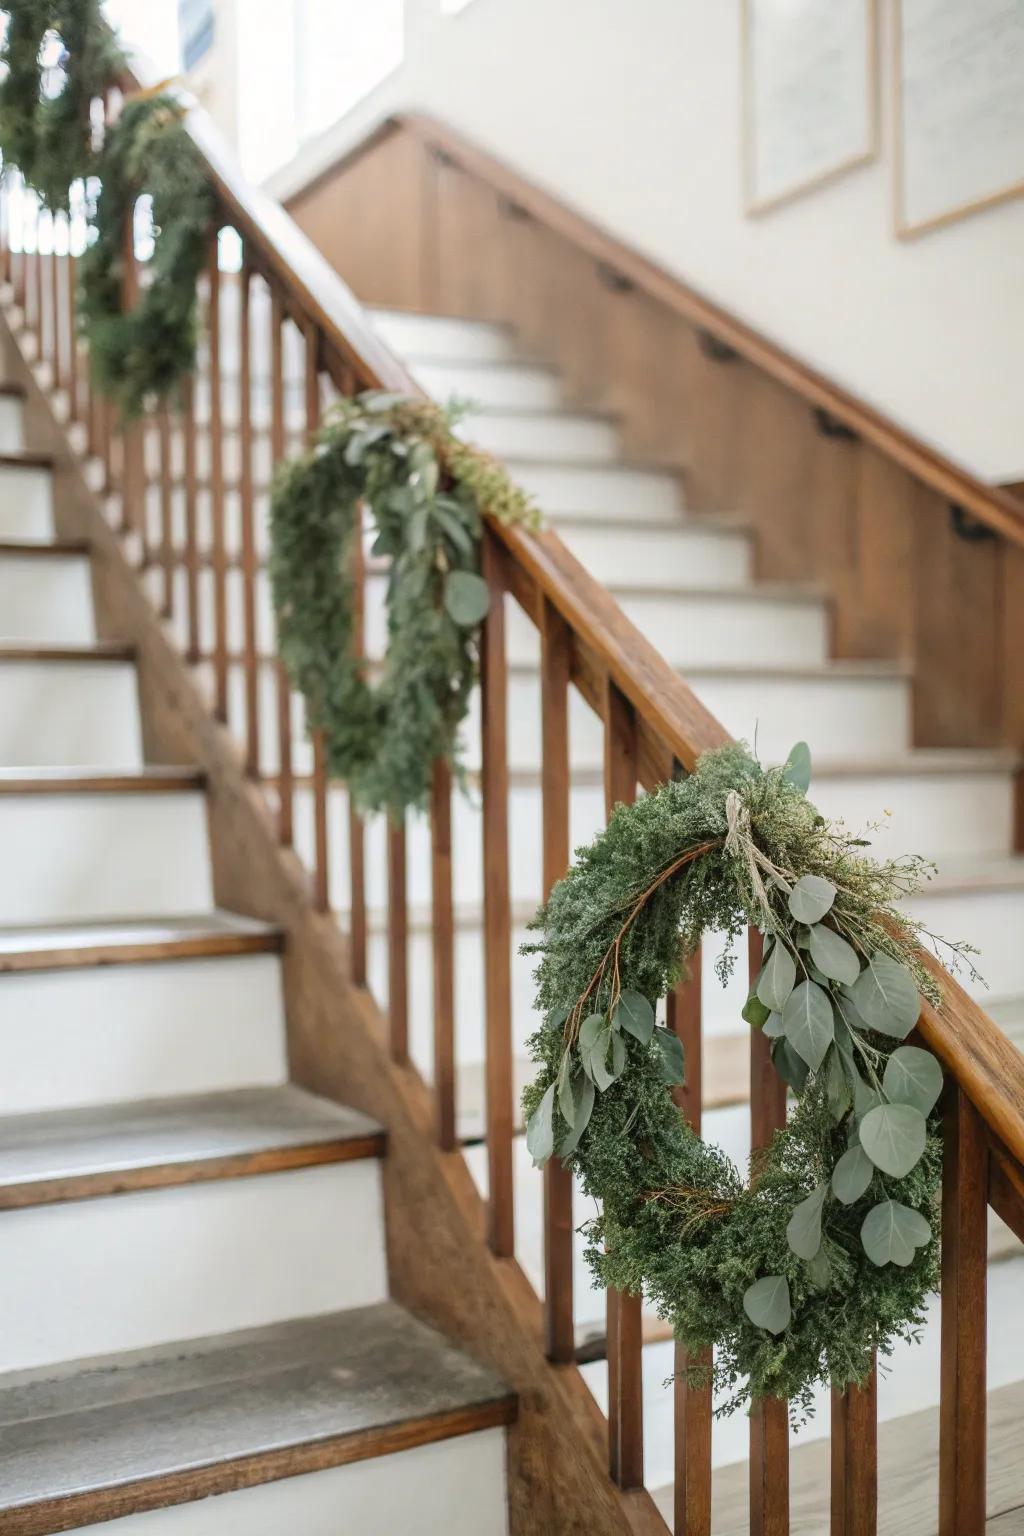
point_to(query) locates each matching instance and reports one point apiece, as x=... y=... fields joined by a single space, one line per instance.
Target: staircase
x=195 y=1283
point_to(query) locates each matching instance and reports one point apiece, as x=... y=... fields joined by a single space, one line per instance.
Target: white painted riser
x=70 y=858
x=114 y=1034
x=69 y=714
x=452 y=1488
x=519 y=387
x=46 y=600
x=613 y=492
x=128 y=1271
x=12 y=431
x=26 y=503
x=411 y=336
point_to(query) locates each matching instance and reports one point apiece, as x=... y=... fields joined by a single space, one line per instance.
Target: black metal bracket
x=443 y=158
x=718 y=351
x=968 y=528
x=613 y=280
x=513 y=210
x=830 y=426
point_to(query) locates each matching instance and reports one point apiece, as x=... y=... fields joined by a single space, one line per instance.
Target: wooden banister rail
x=310 y=339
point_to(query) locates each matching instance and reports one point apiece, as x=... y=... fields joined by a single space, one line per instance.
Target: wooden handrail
x=996 y=508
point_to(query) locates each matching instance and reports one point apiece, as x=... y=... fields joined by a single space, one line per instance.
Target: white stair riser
x=561 y=438
x=12 y=431
x=26 y=502
x=691 y=556
x=46 y=599
x=518 y=387
x=129 y=1271
x=70 y=858
x=617 y=494
x=942 y=814
x=470 y=341
x=993 y=920
x=456 y=1488
x=69 y=714
x=114 y=1034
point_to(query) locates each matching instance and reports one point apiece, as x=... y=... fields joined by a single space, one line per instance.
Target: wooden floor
x=907 y=1478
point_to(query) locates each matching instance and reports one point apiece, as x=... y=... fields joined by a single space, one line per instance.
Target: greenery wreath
x=49 y=138
x=146 y=351
x=827 y=1256
x=425 y=491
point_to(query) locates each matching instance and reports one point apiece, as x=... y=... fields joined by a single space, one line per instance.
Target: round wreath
x=49 y=138
x=798 y=1277
x=146 y=351
x=386 y=452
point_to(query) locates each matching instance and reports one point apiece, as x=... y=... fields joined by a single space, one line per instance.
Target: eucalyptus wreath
x=828 y=1253
x=425 y=491
x=146 y=351
x=49 y=138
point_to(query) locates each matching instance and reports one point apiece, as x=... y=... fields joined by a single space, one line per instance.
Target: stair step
x=471 y=341
x=45 y=591
x=695 y=552
x=109 y=1149
x=26 y=496
x=558 y=435
x=616 y=491
x=69 y=705
x=490 y=386
x=134 y=942
x=107 y=1438
x=83 y=845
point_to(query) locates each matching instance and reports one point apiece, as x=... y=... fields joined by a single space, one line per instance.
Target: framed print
x=809 y=96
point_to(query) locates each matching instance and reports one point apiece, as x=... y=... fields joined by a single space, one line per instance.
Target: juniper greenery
x=425 y=492
x=799 y=1275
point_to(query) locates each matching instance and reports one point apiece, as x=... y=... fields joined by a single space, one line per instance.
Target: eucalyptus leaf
x=797 y=770
x=833 y=956
x=755 y=1012
x=767 y=1304
x=540 y=1129
x=891 y=1233
x=886 y=997
x=791 y=1068
x=591 y=1030
x=584 y=1109
x=565 y=1092
x=671 y=1059
x=820 y=1269
x=618 y=1055
x=803 y=1231
x=852 y=1175
x=913 y=1076
x=837 y=1086
x=893 y=1136
x=807 y=1020
x=599 y=1070
x=635 y=1015
x=811 y=898
x=773 y=1026
x=777 y=978
x=467 y=598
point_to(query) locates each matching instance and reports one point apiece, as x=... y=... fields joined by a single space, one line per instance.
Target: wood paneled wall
x=406 y=227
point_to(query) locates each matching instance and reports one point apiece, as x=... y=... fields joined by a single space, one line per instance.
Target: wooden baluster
x=74 y=360
x=398 y=943
x=285 y=778
x=321 y=875
x=56 y=350
x=855 y=1459
x=188 y=421
x=556 y=658
x=216 y=442
x=166 y=512
x=692 y=1403
x=963 y=1405
x=356 y=829
x=769 y=1418
x=497 y=909
x=134 y=500
x=250 y=563
x=5 y=232
x=625 y=1336
x=442 y=916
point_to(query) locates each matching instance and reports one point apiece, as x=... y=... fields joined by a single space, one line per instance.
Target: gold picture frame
x=757 y=202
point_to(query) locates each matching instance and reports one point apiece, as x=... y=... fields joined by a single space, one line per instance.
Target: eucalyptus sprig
x=828 y=1255
x=426 y=492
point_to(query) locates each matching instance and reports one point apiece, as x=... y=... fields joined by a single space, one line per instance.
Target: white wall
x=629 y=109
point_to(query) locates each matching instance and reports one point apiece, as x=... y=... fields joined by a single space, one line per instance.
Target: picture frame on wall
x=958 y=109
x=809 y=95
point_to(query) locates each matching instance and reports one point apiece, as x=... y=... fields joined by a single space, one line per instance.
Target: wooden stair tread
x=74 y=1154
x=135 y=940
x=25 y=458
x=37 y=549
x=103 y=1438
x=99 y=650
x=99 y=781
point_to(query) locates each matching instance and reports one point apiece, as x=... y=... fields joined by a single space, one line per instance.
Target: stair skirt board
x=114 y=1034
x=453 y=1487
x=134 y=1270
x=74 y=857
x=69 y=713
x=45 y=598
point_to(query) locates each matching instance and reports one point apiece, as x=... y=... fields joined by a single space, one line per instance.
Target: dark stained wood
x=99 y=650
x=188 y=412
x=962 y=1412
x=442 y=939
x=282 y=684
x=68 y=948
x=497 y=909
x=83 y=781
x=356 y=828
x=132 y=433
x=75 y=391
x=1006 y=1188
x=30 y=549
x=555 y=667
x=166 y=523
x=398 y=943
x=216 y=445
x=249 y=559
x=854 y=1435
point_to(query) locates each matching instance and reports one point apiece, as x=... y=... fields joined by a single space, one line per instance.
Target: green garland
x=50 y=140
x=425 y=491
x=829 y=1254
x=146 y=352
